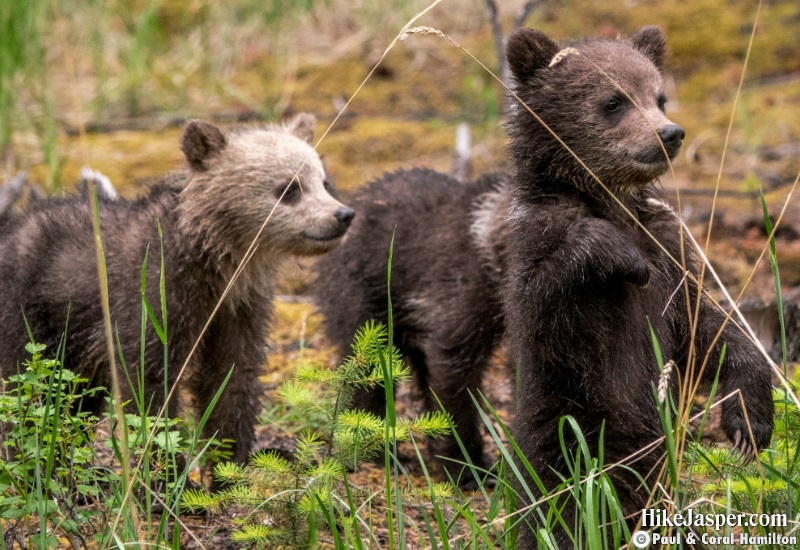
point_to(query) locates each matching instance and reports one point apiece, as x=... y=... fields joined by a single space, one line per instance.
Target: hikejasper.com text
x=652 y=517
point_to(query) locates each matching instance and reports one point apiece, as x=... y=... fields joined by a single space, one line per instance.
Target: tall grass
x=20 y=55
x=23 y=68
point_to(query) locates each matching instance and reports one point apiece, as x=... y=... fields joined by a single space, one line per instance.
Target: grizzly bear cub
x=444 y=287
x=208 y=215
x=587 y=279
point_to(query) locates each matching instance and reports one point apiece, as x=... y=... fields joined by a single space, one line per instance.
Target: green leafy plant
x=287 y=496
x=762 y=486
x=47 y=465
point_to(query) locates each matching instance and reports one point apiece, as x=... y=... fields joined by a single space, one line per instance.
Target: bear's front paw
x=744 y=446
x=747 y=435
x=612 y=254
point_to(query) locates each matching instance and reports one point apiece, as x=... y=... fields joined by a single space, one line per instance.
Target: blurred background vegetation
x=110 y=83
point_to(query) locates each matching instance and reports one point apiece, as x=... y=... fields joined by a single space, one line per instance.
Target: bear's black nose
x=344 y=215
x=672 y=137
x=671 y=134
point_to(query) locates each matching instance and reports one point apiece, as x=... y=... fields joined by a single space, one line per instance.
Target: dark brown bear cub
x=209 y=214
x=585 y=281
x=444 y=288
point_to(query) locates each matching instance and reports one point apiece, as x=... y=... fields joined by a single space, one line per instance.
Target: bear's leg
x=372 y=400
x=237 y=410
x=451 y=375
x=235 y=414
x=632 y=432
x=630 y=422
x=536 y=433
x=633 y=437
x=745 y=375
x=156 y=386
x=548 y=461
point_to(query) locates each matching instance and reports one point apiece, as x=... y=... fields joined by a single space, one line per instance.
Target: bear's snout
x=672 y=137
x=344 y=215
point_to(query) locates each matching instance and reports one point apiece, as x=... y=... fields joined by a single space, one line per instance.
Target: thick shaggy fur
x=584 y=281
x=444 y=287
x=208 y=214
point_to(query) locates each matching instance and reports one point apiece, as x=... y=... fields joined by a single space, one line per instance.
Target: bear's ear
x=201 y=142
x=652 y=43
x=302 y=126
x=528 y=51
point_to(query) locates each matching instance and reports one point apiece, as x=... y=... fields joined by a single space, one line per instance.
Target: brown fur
x=209 y=214
x=584 y=283
x=445 y=288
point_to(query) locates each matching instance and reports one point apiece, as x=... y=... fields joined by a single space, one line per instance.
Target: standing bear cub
x=209 y=215
x=588 y=274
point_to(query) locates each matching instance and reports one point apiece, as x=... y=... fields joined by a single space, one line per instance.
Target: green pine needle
x=362 y=422
x=228 y=472
x=271 y=462
x=253 y=534
x=309 y=445
x=198 y=500
x=323 y=473
x=316 y=374
x=432 y=424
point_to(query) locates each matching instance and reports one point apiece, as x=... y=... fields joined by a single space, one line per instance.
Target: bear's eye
x=328 y=184
x=613 y=104
x=662 y=100
x=290 y=192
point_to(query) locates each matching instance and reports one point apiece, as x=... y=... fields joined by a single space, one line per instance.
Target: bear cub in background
x=208 y=214
x=584 y=282
x=446 y=265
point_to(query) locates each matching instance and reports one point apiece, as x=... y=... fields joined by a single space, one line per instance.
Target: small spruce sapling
x=286 y=495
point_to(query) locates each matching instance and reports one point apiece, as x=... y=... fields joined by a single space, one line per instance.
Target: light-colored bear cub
x=208 y=214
